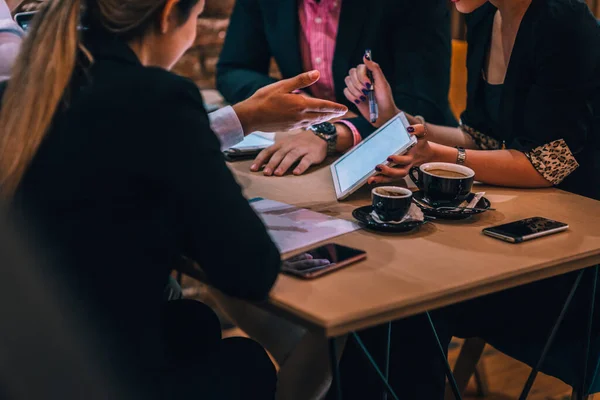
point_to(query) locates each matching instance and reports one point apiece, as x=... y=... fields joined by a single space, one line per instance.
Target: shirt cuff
x=554 y=161
x=482 y=141
x=227 y=126
x=356 y=138
x=10 y=26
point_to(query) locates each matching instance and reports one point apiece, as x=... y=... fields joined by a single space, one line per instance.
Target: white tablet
x=355 y=167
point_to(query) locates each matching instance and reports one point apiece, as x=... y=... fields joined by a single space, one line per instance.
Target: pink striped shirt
x=319 y=24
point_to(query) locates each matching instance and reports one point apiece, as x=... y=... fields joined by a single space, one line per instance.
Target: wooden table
x=443 y=263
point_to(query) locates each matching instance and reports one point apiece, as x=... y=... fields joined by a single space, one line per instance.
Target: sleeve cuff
x=10 y=26
x=554 y=161
x=227 y=126
x=482 y=141
x=356 y=138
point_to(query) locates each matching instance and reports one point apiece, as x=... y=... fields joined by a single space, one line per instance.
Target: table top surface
x=442 y=263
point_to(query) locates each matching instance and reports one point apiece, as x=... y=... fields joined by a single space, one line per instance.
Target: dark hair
x=130 y=19
x=45 y=64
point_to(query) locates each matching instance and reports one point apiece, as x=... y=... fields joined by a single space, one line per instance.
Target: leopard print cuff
x=554 y=161
x=482 y=141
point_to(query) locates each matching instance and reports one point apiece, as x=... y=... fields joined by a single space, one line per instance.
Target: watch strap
x=331 y=139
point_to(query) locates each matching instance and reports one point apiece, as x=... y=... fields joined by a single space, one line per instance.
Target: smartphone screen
x=527 y=228
x=321 y=260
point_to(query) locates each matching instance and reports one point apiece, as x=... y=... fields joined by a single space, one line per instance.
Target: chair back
x=458 y=78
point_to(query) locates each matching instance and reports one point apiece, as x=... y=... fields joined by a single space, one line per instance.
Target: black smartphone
x=322 y=260
x=526 y=229
x=246 y=153
x=23 y=19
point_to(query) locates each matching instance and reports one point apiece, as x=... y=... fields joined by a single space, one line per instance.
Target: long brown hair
x=45 y=65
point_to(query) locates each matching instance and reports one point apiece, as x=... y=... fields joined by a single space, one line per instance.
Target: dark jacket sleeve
x=219 y=230
x=564 y=96
x=423 y=48
x=243 y=66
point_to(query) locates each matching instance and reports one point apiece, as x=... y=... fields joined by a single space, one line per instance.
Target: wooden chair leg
x=466 y=366
x=481 y=379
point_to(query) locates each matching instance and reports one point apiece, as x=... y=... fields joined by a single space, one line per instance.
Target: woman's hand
x=275 y=108
x=358 y=86
x=400 y=165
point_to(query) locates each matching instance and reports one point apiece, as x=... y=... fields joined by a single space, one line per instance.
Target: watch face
x=325 y=128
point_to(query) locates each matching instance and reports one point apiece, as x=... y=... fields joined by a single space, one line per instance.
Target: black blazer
x=552 y=85
x=410 y=40
x=129 y=179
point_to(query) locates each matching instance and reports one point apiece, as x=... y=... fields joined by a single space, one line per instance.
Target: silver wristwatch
x=328 y=132
x=462 y=155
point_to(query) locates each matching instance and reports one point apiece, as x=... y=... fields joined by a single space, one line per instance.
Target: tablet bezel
x=343 y=195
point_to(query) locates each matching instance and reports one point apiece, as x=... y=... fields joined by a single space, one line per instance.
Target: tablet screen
x=358 y=164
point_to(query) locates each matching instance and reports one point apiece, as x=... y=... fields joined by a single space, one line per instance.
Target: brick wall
x=200 y=62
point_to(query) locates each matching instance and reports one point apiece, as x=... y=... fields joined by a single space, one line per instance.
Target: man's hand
x=274 y=108
x=305 y=148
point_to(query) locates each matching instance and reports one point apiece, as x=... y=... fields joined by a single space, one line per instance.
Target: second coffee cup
x=443 y=183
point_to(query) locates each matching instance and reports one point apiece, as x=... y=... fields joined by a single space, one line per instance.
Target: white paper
x=256 y=139
x=292 y=228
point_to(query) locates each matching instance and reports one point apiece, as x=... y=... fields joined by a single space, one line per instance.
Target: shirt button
x=334 y=4
x=318 y=20
x=318 y=60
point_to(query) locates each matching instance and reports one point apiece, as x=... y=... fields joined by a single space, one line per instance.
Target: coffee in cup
x=443 y=183
x=391 y=203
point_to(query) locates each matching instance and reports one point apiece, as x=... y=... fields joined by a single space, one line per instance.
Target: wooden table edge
x=457 y=295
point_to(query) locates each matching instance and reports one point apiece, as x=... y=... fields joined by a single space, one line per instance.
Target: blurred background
x=200 y=62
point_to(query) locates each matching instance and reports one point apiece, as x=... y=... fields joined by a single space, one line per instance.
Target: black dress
x=548 y=108
x=129 y=179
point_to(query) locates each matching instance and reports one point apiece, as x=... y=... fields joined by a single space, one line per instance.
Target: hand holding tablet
x=353 y=169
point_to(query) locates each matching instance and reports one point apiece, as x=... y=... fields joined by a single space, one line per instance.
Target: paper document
x=256 y=139
x=292 y=228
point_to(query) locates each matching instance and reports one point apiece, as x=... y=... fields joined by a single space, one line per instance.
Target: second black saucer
x=482 y=206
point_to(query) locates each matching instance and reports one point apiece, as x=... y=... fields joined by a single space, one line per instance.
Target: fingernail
x=368 y=85
x=296 y=171
x=378 y=169
x=390 y=159
x=365 y=91
x=357 y=101
x=410 y=129
x=313 y=74
x=363 y=98
x=278 y=172
x=267 y=171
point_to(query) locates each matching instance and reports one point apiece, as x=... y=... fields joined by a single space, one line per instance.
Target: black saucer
x=483 y=205
x=363 y=215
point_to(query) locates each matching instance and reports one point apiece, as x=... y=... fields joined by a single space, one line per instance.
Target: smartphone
x=526 y=229
x=23 y=19
x=245 y=153
x=322 y=260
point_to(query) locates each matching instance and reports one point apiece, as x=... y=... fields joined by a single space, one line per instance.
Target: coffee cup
x=391 y=203
x=443 y=183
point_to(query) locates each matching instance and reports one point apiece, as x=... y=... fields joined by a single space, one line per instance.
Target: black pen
x=373 y=107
